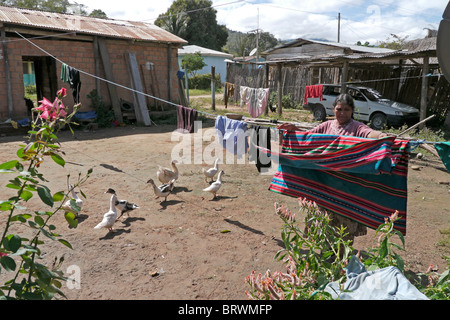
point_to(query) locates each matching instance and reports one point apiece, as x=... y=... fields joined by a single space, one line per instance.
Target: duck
x=163 y=190
x=165 y=175
x=215 y=186
x=109 y=217
x=68 y=207
x=211 y=172
x=125 y=206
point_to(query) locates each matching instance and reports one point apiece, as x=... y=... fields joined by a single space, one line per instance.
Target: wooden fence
x=398 y=84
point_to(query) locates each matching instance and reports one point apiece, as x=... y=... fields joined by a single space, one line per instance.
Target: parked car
x=370 y=107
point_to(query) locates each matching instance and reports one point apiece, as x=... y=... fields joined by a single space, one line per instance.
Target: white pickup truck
x=370 y=107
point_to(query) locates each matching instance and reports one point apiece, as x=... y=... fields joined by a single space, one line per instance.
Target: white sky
x=361 y=20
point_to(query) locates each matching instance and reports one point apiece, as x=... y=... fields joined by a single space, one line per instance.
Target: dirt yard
x=193 y=247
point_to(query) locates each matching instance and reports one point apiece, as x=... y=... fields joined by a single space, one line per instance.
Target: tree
x=192 y=62
x=398 y=43
x=241 y=44
x=97 y=13
x=196 y=22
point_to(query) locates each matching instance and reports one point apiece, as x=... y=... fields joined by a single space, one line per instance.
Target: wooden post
x=7 y=73
x=213 y=87
x=169 y=73
x=424 y=90
x=266 y=84
x=109 y=76
x=280 y=90
x=97 y=66
x=344 y=76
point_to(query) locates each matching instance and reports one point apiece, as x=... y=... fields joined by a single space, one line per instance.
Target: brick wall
x=80 y=55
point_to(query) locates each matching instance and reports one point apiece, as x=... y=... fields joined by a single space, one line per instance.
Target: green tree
x=241 y=44
x=192 y=62
x=97 y=13
x=196 y=22
x=397 y=43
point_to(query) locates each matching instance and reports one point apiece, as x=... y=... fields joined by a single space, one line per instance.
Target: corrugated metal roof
x=203 y=51
x=87 y=25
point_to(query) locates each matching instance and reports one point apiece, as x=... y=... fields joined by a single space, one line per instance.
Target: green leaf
x=26 y=195
x=13 y=242
x=5 y=205
x=45 y=195
x=70 y=218
x=8 y=165
x=39 y=220
x=58 y=159
x=59 y=196
x=8 y=263
x=66 y=243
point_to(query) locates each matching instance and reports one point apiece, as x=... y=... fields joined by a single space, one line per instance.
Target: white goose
x=110 y=217
x=163 y=190
x=124 y=205
x=68 y=207
x=215 y=186
x=211 y=172
x=165 y=175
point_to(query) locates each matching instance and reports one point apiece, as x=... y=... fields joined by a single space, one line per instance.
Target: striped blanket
x=359 y=178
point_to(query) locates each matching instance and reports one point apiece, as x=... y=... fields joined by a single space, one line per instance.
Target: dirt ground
x=193 y=247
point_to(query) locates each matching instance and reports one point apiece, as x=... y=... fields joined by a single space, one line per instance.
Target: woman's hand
x=288 y=127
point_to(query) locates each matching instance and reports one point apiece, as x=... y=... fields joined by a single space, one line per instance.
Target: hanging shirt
x=232 y=135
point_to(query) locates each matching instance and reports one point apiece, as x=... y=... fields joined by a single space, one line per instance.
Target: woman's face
x=343 y=113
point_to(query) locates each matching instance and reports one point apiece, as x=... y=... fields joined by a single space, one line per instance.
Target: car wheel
x=378 y=121
x=319 y=113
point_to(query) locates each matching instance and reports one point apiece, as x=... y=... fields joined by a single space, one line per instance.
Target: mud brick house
x=112 y=57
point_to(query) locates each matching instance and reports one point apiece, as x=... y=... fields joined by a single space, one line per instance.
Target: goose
x=211 y=172
x=215 y=186
x=124 y=205
x=165 y=175
x=68 y=207
x=110 y=217
x=163 y=190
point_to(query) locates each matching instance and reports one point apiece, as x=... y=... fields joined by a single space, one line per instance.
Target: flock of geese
x=165 y=175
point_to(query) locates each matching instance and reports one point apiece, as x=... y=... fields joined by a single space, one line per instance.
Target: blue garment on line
x=382 y=284
x=232 y=134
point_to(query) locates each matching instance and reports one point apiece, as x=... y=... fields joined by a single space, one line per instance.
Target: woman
x=344 y=124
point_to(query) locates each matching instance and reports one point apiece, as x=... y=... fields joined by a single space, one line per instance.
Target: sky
x=360 y=20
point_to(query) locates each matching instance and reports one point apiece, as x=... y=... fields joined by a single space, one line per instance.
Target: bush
x=203 y=81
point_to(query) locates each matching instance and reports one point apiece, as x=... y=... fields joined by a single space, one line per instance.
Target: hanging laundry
x=260 y=137
x=362 y=179
x=232 y=134
x=229 y=92
x=255 y=99
x=186 y=118
x=315 y=91
x=71 y=76
x=243 y=95
x=443 y=150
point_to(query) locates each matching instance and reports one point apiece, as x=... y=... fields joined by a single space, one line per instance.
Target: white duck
x=215 y=186
x=165 y=175
x=110 y=217
x=211 y=172
x=163 y=190
x=124 y=205
x=68 y=207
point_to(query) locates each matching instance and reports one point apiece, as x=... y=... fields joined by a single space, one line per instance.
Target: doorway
x=39 y=78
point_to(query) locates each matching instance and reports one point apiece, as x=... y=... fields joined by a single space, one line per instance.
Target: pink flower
x=61 y=93
x=50 y=110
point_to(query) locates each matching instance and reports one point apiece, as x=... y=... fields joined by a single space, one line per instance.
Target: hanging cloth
x=232 y=134
x=186 y=118
x=362 y=179
x=443 y=150
x=260 y=137
x=72 y=77
x=315 y=91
